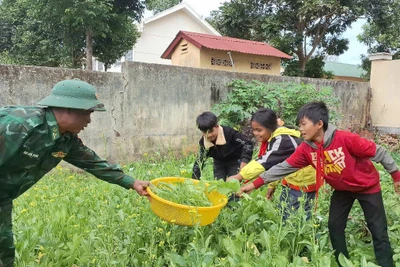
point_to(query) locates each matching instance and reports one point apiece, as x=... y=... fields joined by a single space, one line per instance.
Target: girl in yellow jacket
x=277 y=144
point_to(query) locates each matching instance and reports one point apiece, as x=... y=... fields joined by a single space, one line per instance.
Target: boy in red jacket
x=344 y=160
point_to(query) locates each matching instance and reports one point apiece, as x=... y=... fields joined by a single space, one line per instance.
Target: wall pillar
x=385 y=92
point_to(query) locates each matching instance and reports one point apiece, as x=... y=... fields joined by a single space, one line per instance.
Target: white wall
x=158 y=34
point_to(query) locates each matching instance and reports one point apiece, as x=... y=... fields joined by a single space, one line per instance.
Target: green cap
x=75 y=94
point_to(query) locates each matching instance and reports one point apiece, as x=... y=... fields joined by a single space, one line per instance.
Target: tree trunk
x=302 y=63
x=89 y=50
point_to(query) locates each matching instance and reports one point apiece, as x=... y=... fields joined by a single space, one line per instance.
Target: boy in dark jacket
x=230 y=150
x=344 y=160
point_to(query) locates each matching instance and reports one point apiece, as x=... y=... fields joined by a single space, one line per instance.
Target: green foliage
x=5 y=58
x=284 y=98
x=314 y=69
x=74 y=219
x=55 y=32
x=303 y=28
x=158 y=6
x=381 y=33
x=107 y=48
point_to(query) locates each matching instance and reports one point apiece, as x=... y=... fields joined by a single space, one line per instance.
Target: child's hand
x=270 y=193
x=247 y=188
x=397 y=187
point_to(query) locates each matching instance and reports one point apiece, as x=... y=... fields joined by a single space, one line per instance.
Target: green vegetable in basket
x=226 y=188
x=185 y=193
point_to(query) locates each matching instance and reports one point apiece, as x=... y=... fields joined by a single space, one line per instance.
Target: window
x=221 y=62
x=184 y=48
x=260 y=66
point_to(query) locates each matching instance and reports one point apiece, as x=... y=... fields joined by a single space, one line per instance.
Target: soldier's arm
x=12 y=136
x=86 y=159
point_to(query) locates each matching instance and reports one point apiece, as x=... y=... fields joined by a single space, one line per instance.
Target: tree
x=158 y=6
x=303 y=28
x=314 y=69
x=62 y=32
x=110 y=47
x=381 y=33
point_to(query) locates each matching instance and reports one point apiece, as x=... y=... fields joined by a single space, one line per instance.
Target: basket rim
x=153 y=195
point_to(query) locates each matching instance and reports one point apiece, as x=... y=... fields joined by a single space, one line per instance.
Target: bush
x=284 y=98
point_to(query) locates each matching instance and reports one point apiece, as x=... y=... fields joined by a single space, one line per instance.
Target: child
x=277 y=144
x=343 y=159
x=230 y=150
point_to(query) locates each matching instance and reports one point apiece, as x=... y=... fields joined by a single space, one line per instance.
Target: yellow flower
x=173 y=220
x=305 y=259
x=160 y=230
x=23 y=211
x=161 y=243
x=33 y=204
x=168 y=234
x=100 y=226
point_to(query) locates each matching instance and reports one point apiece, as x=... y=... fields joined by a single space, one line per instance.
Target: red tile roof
x=225 y=44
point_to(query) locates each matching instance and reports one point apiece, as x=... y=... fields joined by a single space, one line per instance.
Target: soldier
x=33 y=140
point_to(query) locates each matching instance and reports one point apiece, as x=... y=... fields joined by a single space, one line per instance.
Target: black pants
x=224 y=169
x=374 y=213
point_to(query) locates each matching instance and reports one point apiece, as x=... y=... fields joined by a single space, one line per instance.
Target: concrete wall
x=152 y=107
x=385 y=80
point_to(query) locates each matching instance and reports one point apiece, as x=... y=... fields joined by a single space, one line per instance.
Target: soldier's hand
x=140 y=187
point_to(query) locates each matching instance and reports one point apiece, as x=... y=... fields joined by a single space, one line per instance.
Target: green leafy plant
x=184 y=193
x=284 y=98
x=50 y=231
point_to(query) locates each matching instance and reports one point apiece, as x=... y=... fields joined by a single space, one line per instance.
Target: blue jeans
x=290 y=197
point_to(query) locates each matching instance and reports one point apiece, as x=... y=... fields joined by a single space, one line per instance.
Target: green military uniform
x=30 y=146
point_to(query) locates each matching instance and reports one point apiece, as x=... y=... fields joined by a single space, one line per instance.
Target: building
x=158 y=31
x=343 y=71
x=199 y=50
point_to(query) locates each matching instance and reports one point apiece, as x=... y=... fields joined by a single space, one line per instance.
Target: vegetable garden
x=73 y=219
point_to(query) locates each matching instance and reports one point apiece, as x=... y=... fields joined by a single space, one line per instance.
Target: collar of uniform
x=220 y=139
x=52 y=123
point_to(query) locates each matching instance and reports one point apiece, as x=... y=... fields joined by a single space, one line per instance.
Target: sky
x=351 y=56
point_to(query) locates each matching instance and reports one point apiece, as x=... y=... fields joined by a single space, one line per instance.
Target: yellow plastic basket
x=183 y=214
